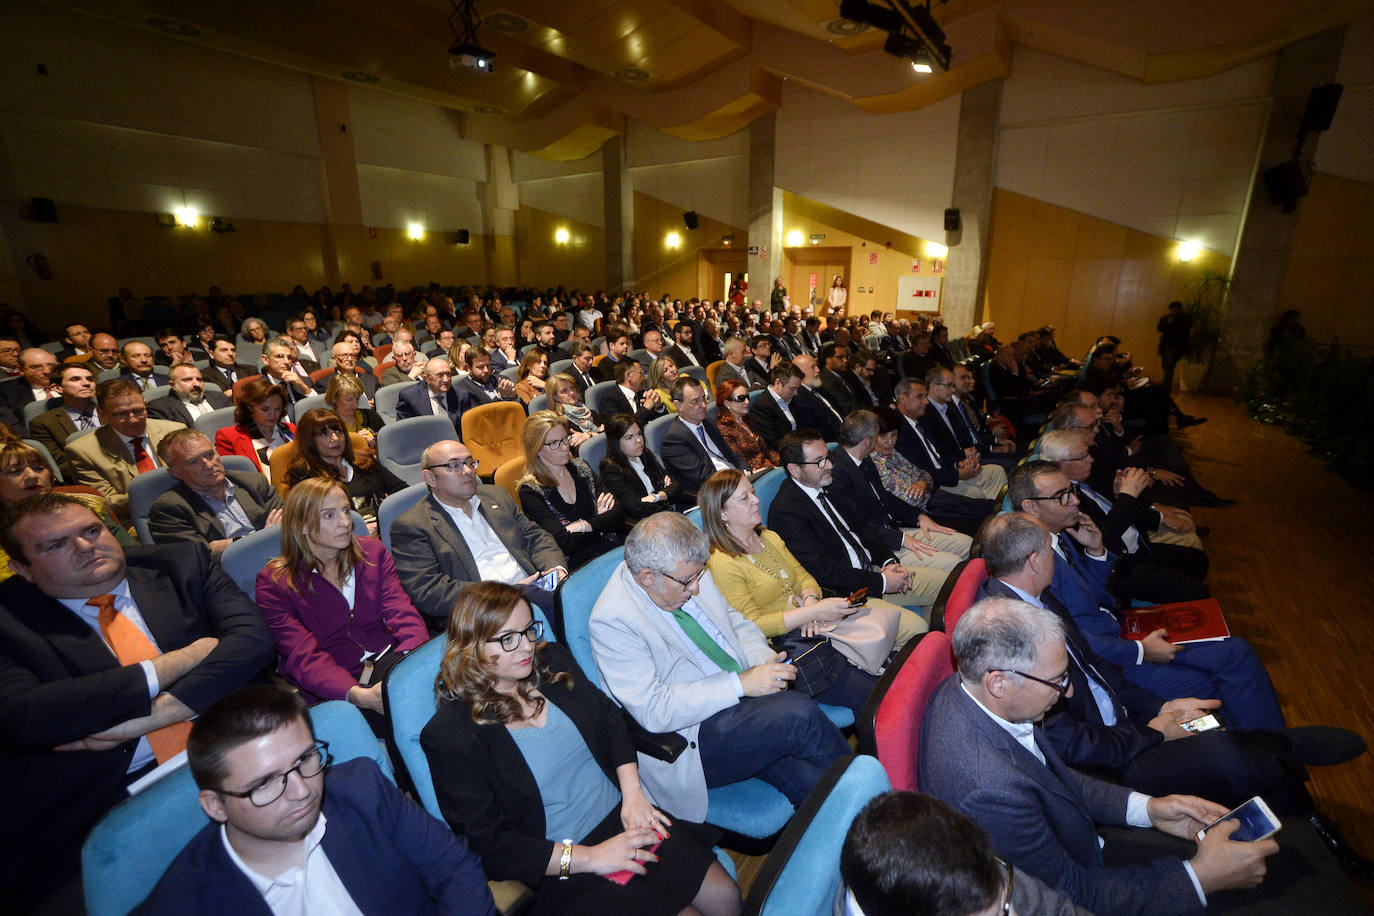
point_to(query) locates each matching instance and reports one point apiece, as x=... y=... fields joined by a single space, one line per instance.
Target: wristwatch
x=565 y=861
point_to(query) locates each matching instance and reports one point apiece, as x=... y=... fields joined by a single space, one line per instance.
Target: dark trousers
x=1227 y=670
x=783 y=739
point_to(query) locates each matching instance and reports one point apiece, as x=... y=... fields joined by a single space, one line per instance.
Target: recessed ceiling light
x=488 y=109
x=505 y=22
x=359 y=76
x=172 y=26
x=631 y=75
x=844 y=27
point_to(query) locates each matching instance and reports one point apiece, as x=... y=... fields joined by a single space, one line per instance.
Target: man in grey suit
x=734 y=354
x=463 y=533
x=209 y=504
x=678 y=657
x=982 y=750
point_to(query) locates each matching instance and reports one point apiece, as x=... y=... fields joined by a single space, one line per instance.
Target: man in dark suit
x=917 y=361
x=76 y=341
x=387 y=853
x=693 y=449
x=786 y=405
x=463 y=533
x=629 y=379
x=710 y=347
x=581 y=369
x=37 y=379
x=983 y=751
x=833 y=383
x=778 y=341
x=224 y=369
x=346 y=361
x=188 y=398
x=481 y=385
x=73 y=411
x=969 y=416
x=814 y=400
x=137 y=359
x=209 y=504
x=684 y=352
x=617 y=352
x=732 y=367
x=103 y=658
x=432 y=395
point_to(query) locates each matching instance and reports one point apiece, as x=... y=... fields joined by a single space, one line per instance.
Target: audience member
x=104 y=353
x=562 y=494
x=345 y=362
x=259 y=426
x=663 y=371
x=632 y=473
x=534 y=764
x=121 y=449
x=683 y=352
x=630 y=395
x=282 y=367
x=75 y=411
x=137 y=359
x=481 y=386
x=342 y=395
x=76 y=341
x=732 y=422
x=407 y=366
x=432 y=395
x=965 y=489
x=565 y=399
x=693 y=449
x=533 y=376
x=209 y=504
x=582 y=354
x=224 y=369
x=188 y=398
x=172 y=349
x=37 y=381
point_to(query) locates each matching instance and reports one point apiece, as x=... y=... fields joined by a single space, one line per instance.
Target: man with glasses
x=983 y=750
x=467 y=532
x=481 y=385
x=432 y=395
x=123 y=448
x=104 y=656
x=279 y=841
x=104 y=353
x=964 y=494
x=210 y=504
x=673 y=652
x=693 y=449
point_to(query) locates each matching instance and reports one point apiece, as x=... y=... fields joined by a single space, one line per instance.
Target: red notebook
x=1186 y=621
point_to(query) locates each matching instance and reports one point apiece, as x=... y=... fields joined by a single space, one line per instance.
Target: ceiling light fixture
x=1188 y=250
x=912 y=31
x=465 y=52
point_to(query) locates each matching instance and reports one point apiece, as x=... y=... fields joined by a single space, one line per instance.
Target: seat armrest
x=665 y=746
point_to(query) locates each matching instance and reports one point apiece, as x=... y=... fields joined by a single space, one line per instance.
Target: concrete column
x=500 y=200
x=618 y=198
x=765 y=208
x=974 y=166
x=1252 y=305
x=338 y=170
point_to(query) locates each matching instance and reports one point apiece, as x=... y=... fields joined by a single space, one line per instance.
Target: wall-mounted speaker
x=460 y=237
x=1321 y=108
x=952 y=223
x=690 y=218
x=1286 y=183
x=42 y=210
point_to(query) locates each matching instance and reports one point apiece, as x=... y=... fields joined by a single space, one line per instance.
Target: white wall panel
x=395 y=198
x=401 y=133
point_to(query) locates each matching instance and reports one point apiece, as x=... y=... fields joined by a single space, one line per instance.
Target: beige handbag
x=866 y=637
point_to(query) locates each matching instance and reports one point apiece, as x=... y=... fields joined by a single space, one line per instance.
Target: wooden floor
x=1293 y=567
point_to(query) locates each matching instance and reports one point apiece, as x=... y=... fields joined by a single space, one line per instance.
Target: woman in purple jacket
x=336 y=609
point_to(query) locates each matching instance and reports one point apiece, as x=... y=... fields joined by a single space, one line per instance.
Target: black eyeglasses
x=454 y=466
x=690 y=581
x=511 y=641
x=270 y=789
x=1064 y=497
x=738 y=399
x=824 y=459
x=1061 y=685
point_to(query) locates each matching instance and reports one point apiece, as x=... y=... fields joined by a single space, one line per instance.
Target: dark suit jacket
x=759 y=373
x=629 y=490
x=173 y=408
x=1040 y=817
x=486 y=790
x=434 y=561
x=819 y=548
x=181 y=515
x=686 y=459
x=414 y=402
x=470 y=394
x=913 y=450
x=583 y=380
x=708 y=349
x=613 y=402
x=52 y=428
x=680 y=358
x=812 y=411
x=837 y=390
x=59 y=683
x=216 y=376
x=860 y=487
x=391 y=856
x=368 y=379
x=767 y=419
x=951 y=452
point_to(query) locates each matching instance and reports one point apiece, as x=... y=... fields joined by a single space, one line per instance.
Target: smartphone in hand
x=1257 y=822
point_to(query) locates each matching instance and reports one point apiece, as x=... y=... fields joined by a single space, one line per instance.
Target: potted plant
x=1205 y=334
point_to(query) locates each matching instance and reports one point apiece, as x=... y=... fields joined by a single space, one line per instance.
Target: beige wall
x=579 y=264
x=660 y=269
x=1084 y=275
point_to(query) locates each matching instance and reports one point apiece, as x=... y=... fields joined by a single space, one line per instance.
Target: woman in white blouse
x=632 y=473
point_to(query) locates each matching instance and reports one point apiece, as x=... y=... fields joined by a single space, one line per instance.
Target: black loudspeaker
x=1321 y=108
x=460 y=237
x=952 y=222
x=690 y=218
x=1286 y=183
x=42 y=210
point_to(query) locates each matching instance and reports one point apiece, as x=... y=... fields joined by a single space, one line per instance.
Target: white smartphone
x=1257 y=822
x=1203 y=723
x=548 y=582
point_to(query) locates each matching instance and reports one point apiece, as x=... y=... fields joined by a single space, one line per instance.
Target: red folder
x=1185 y=621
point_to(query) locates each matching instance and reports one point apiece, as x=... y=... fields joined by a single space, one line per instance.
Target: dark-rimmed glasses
x=511 y=641
x=271 y=788
x=1063 y=497
x=454 y=466
x=690 y=581
x=1061 y=685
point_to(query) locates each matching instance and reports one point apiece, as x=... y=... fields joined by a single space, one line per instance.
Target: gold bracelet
x=565 y=861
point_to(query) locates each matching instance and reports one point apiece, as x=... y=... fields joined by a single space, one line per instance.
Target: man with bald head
x=104 y=353
x=137 y=359
x=36 y=381
x=432 y=395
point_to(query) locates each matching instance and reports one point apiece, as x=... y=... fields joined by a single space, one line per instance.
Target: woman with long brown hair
x=533 y=374
x=325 y=450
x=259 y=425
x=333 y=602
x=536 y=768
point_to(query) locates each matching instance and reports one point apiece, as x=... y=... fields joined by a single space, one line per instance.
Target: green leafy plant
x=1205 y=310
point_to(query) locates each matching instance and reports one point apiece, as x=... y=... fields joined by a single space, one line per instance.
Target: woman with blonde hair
x=458 y=357
x=534 y=369
x=565 y=399
x=662 y=373
x=563 y=496
x=342 y=395
x=761 y=579
x=537 y=769
x=336 y=609
x=325 y=450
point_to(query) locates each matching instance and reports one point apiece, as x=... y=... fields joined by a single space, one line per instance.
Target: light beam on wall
x=794 y=238
x=561 y=236
x=415 y=231
x=186 y=216
x=1188 y=250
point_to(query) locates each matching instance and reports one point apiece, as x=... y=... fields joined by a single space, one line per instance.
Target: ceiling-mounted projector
x=472 y=57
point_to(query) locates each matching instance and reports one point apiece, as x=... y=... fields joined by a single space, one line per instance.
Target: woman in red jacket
x=259 y=425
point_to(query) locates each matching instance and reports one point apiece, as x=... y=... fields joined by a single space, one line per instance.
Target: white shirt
x=709 y=626
x=920 y=434
x=784 y=406
x=1105 y=707
x=124 y=604
x=712 y=450
x=311 y=889
x=815 y=495
x=197 y=410
x=494 y=561
x=637 y=465
x=1059 y=552
x=303 y=349
x=147 y=447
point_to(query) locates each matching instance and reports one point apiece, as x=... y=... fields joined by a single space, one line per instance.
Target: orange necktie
x=131 y=647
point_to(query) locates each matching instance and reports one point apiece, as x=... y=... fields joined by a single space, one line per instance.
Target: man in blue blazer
x=433 y=390
x=693 y=449
x=279 y=840
x=1226 y=669
x=983 y=751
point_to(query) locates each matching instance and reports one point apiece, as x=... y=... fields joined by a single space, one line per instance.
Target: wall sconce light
x=794 y=238
x=415 y=231
x=561 y=236
x=221 y=225
x=1188 y=250
x=936 y=250
x=673 y=240
x=186 y=216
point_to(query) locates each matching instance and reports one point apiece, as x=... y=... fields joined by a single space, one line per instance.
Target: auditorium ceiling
x=569 y=73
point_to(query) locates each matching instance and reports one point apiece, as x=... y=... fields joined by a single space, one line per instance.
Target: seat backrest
x=394 y=505
x=42 y=449
x=970 y=575
x=309 y=402
x=283 y=456
x=755 y=395
x=382 y=352
x=899 y=705
x=592 y=451
x=508 y=476
x=157 y=391
x=539 y=402
x=400 y=444
x=245 y=558
x=143 y=490
x=386 y=399
x=559 y=365
x=641 y=356
x=248 y=354
x=766 y=487
x=212 y=422
x=492 y=432
x=79 y=433
x=712 y=370
x=694 y=516
x=579 y=596
x=132 y=845
x=511 y=372
x=696 y=372
x=33 y=409
x=593 y=395
x=655 y=430
x=802 y=872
